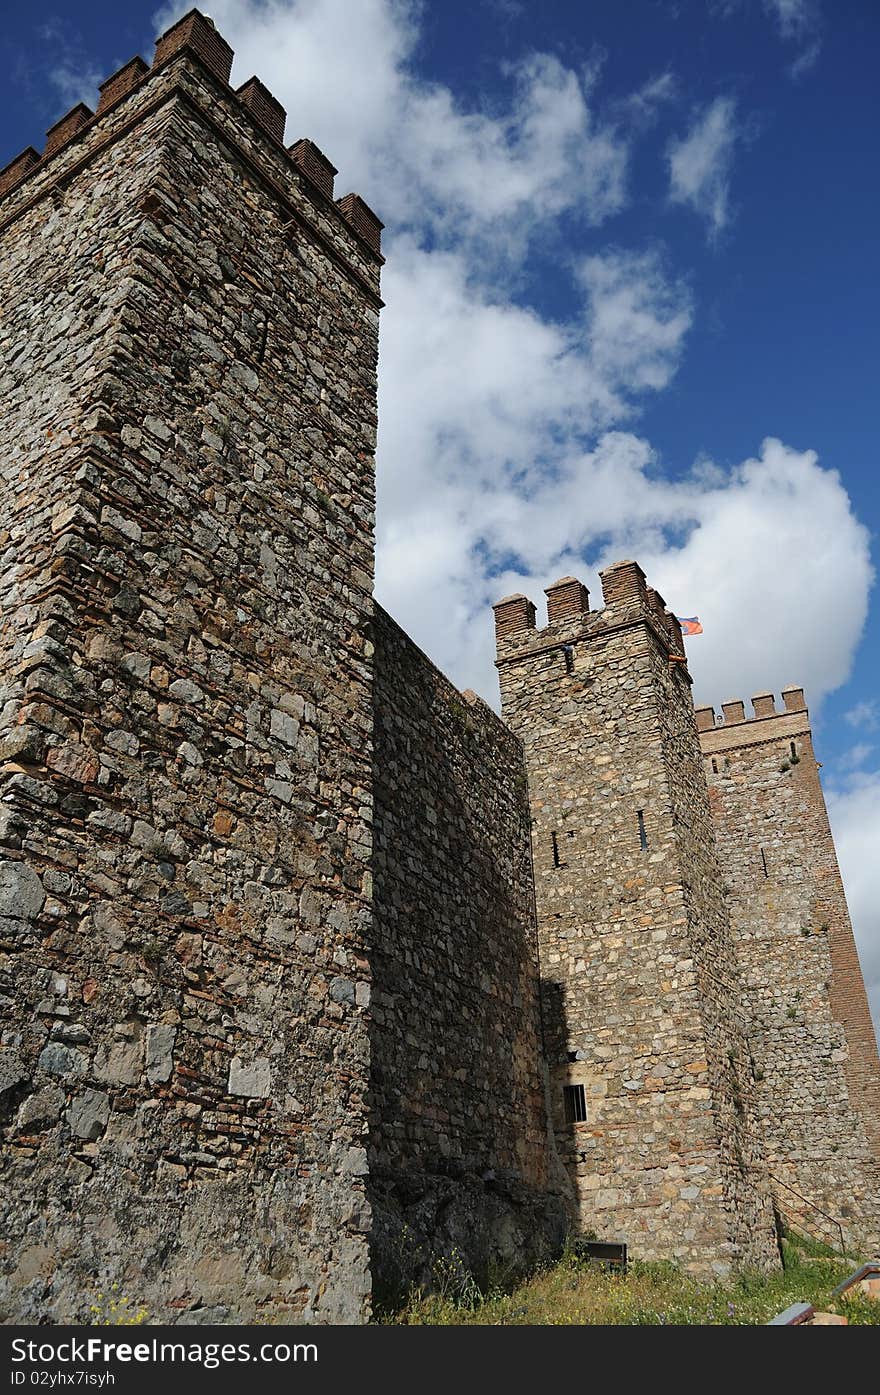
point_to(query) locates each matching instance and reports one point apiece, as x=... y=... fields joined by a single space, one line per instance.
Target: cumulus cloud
x=741 y=548
x=700 y=163
x=345 y=74
x=507 y=453
x=771 y=533
x=509 y=450
x=486 y=411
x=852 y=807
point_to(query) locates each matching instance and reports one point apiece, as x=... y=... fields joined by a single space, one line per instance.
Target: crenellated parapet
x=628 y=601
x=731 y=728
x=195 y=39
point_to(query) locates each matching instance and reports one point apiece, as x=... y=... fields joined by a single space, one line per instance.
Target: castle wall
x=639 y=977
x=804 y=1003
x=278 y=997
x=459 y=1158
x=188 y=379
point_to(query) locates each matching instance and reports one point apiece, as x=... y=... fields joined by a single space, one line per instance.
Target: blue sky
x=632 y=309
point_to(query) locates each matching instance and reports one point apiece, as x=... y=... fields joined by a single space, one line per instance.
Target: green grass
x=575 y=1292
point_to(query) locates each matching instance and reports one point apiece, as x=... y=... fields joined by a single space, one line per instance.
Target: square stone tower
x=650 y=1075
x=804 y=1004
x=188 y=376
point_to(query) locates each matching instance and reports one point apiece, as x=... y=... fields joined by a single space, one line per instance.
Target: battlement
x=628 y=599
x=568 y=603
x=195 y=37
x=731 y=727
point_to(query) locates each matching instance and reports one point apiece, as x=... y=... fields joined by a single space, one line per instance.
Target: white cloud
x=865 y=716
x=72 y=75
x=507 y=454
x=506 y=450
x=643 y=106
x=637 y=320
x=740 y=548
x=856 y=756
x=798 y=20
x=411 y=148
x=700 y=163
x=774 y=531
x=487 y=415
x=75 y=83
x=852 y=807
x=798 y=23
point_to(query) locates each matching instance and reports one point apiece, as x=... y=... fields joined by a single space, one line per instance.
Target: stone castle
x=312 y=968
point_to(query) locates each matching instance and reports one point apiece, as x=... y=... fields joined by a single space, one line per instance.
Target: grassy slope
x=575 y=1292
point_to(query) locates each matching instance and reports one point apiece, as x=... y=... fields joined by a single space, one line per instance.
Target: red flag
x=690 y=625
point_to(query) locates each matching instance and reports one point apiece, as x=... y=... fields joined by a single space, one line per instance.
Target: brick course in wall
x=804 y=1001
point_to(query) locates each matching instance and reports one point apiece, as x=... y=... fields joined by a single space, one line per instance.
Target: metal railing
x=833 y=1220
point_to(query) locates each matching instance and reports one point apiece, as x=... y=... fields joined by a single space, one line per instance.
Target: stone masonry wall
x=188 y=386
x=260 y=1058
x=804 y=1002
x=459 y=1157
x=640 y=980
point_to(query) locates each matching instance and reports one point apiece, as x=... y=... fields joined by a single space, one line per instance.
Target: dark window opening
x=643 y=837
x=764 y=863
x=793 y=748
x=569 y=658
x=575 y=1104
x=714 y=766
x=555 y=842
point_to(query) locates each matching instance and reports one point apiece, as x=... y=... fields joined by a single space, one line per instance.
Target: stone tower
x=804 y=1002
x=188 y=373
x=650 y=1078
x=273 y=980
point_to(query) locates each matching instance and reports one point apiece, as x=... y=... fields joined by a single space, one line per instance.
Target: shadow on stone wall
x=558 y=1054
x=458 y=1156
x=554 y=1023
